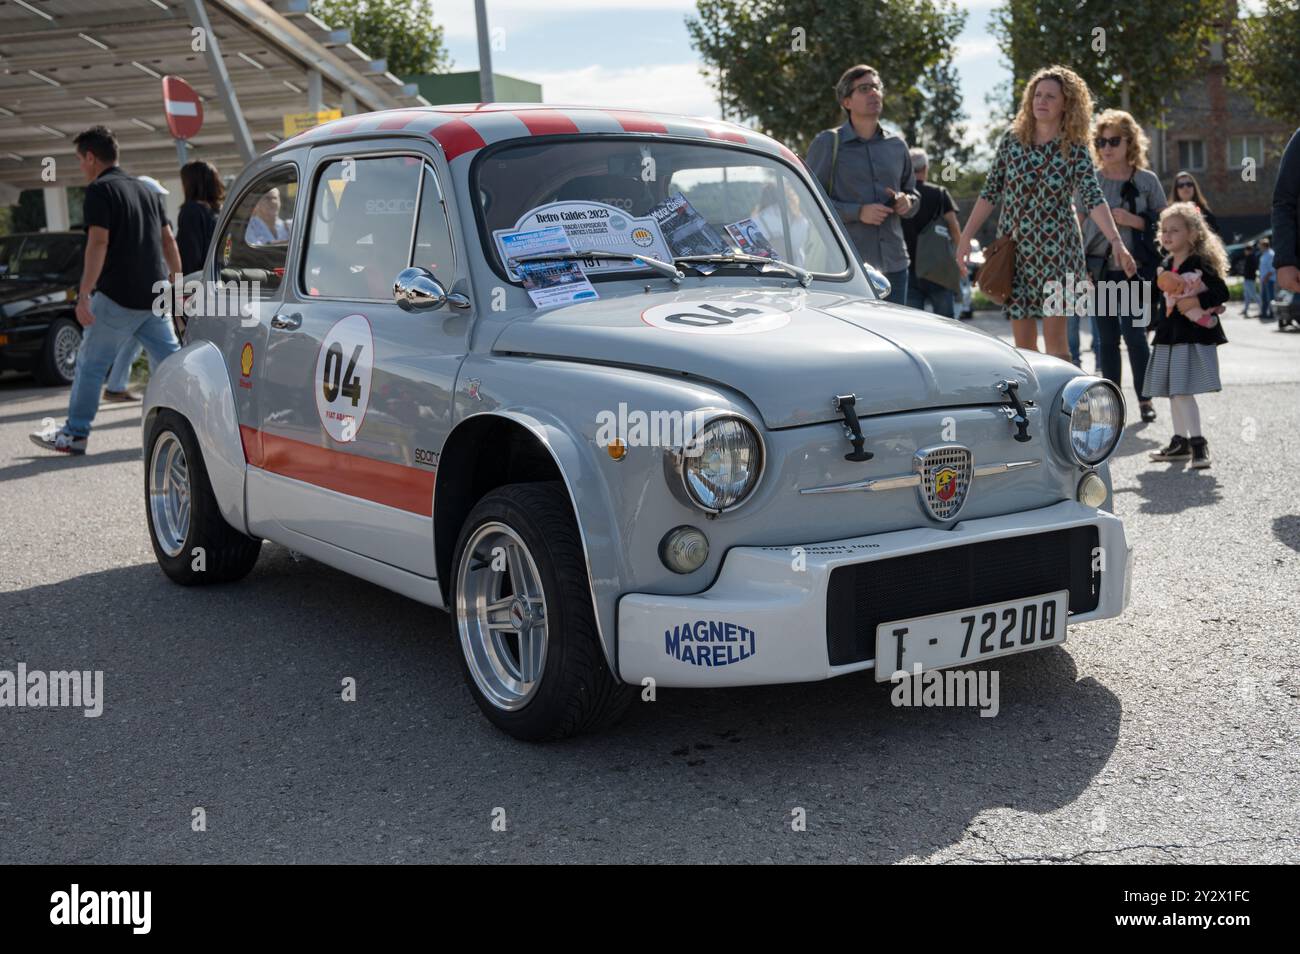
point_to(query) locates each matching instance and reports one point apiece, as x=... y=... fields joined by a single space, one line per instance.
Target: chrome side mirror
x=879 y=283
x=415 y=289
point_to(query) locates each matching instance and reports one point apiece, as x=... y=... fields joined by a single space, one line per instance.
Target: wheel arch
x=494 y=448
x=195 y=384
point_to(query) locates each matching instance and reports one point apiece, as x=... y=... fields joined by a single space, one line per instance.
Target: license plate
x=971 y=635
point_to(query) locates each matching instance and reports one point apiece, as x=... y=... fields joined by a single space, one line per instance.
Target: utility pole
x=486 y=90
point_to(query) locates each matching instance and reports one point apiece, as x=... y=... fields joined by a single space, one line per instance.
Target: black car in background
x=39 y=274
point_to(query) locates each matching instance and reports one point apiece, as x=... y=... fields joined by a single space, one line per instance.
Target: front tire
x=57 y=364
x=524 y=618
x=191 y=539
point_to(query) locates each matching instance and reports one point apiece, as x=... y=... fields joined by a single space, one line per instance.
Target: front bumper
x=766 y=619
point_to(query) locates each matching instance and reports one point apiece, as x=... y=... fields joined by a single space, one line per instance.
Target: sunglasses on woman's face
x=1186 y=185
x=1101 y=142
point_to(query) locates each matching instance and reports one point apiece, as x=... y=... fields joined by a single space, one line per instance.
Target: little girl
x=1184 y=357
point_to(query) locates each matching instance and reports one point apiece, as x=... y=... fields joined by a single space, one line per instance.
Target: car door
x=358 y=393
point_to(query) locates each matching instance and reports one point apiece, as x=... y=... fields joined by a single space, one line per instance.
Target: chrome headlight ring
x=1094 y=400
x=681 y=467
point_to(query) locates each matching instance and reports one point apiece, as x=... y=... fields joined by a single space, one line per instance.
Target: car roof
x=463 y=129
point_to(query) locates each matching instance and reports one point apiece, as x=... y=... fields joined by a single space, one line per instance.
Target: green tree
x=400 y=31
x=1264 y=59
x=776 y=62
x=1130 y=57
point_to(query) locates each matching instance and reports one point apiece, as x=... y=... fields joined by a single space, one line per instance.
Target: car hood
x=18 y=296
x=804 y=348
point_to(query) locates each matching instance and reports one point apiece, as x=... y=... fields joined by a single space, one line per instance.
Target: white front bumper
x=764 y=619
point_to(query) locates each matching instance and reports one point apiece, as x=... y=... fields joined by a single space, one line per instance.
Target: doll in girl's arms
x=1187 y=285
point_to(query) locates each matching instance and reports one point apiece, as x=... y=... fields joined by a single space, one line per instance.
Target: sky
x=637 y=53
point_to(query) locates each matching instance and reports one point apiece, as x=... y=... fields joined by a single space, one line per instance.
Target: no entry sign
x=184 y=111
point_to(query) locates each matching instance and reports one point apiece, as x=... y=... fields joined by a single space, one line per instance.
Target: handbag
x=935 y=258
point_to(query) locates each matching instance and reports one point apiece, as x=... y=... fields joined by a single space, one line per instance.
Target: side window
x=433 y=247
x=363 y=216
x=255 y=242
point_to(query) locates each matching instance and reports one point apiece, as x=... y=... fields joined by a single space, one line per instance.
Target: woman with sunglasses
x=1135 y=197
x=1187 y=189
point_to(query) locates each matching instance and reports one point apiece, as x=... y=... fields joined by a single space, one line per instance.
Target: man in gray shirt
x=867 y=174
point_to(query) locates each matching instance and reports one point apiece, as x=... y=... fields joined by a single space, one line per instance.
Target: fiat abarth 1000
x=612 y=389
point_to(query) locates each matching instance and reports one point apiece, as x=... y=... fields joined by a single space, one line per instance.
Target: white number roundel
x=344 y=368
x=715 y=318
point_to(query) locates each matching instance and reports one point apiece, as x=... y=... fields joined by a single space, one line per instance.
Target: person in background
x=1184 y=356
x=1267 y=280
x=1249 y=271
x=265 y=227
x=127 y=242
x=936 y=203
x=197 y=220
x=1187 y=189
x=1136 y=199
x=1286 y=218
x=117 y=388
x=867 y=174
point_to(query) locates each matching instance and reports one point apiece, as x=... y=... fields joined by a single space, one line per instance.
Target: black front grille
x=862 y=596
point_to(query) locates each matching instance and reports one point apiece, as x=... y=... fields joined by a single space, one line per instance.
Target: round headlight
x=1096 y=422
x=721 y=464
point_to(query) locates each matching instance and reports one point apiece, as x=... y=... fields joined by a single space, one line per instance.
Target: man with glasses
x=867 y=174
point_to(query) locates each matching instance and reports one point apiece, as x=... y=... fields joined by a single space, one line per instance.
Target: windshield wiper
x=732 y=257
x=663 y=268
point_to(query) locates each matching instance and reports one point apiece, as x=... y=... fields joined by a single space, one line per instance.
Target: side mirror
x=879 y=283
x=415 y=289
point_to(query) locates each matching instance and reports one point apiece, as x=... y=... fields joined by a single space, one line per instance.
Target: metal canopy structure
x=66 y=65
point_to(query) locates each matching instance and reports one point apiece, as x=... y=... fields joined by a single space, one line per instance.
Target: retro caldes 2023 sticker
x=715 y=318
x=344 y=368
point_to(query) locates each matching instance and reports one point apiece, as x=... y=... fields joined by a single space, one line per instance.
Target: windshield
x=647 y=197
x=44 y=257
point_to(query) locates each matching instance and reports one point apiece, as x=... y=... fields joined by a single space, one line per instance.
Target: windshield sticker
x=685 y=229
x=707 y=318
x=749 y=238
x=548 y=283
x=595 y=226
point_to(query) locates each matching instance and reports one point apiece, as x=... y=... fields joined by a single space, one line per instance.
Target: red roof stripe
x=634 y=122
x=546 y=122
x=457 y=137
x=728 y=135
x=398 y=120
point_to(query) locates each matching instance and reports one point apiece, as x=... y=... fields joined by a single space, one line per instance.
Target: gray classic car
x=611 y=388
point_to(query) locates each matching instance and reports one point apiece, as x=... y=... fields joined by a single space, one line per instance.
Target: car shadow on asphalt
x=1136 y=440
x=231 y=697
x=1287 y=529
x=1168 y=488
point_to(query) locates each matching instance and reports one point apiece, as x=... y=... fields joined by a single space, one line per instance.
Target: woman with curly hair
x=1041 y=163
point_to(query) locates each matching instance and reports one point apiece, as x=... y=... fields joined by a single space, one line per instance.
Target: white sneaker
x=58 y=439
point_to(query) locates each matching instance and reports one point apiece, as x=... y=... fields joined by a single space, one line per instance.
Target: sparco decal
x=709 y=643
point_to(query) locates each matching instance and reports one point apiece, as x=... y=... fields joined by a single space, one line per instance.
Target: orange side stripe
x=393 y=485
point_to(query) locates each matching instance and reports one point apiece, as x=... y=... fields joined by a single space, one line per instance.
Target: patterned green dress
x=1035 y=185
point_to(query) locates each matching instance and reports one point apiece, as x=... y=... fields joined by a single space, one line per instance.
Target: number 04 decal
x=344 y=368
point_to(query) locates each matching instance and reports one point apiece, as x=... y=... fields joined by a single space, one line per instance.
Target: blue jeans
x=920 y=290
x=114 y=326
x=897 y=286
x=1249 y=295
x=1072 y=337
x=1267 y=288
x=120 y=376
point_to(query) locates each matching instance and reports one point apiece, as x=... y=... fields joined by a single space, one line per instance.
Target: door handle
x=287 y=322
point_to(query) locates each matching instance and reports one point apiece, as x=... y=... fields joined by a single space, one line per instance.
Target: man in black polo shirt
x=127 y=242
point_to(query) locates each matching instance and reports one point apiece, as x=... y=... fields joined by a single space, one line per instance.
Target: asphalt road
x=1170 y=734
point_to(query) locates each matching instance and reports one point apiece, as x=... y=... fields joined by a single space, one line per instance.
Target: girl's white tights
x=1186 y=415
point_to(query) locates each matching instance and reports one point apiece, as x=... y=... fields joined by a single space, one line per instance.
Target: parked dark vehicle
x=39 y=274
x=1237 y=250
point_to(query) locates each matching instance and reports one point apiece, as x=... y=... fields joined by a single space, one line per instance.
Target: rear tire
x=57 y=364
x=191 y=539
x=523 y=615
